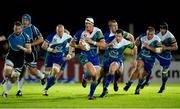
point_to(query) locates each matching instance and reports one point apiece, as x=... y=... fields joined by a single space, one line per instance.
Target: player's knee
x=56 y=69
x=8 y=70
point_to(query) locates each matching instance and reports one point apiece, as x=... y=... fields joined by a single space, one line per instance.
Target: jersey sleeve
x=77 y=36
x=36 y=32
x=50 y=37
x=130 y=44
x=99 y=36
x=27 y=38
x=172 y=39
x=126 y=35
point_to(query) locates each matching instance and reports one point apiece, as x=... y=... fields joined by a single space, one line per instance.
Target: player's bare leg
x=112 y=69
x=51 y=79
x=135 y=75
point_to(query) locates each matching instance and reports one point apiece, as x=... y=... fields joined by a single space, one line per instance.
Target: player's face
x=113 y=27
x=119 y=37
x=17 y=29
x=163 y=31
x=89 y=27
x=150 y=35
x=60 y=30
x=25 y=22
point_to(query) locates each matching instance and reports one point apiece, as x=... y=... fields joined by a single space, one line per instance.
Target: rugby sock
x=7 y=86
x=86 y=75
x=50 y=82
x=40 y=74
x=164 y=80
x=147 y=78
x=20 y=83
x=140 y=81
x=92 y=89
x=108 y=80
x=129 y=82
x=116 y=77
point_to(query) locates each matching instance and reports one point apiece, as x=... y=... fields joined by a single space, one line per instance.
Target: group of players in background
x=60 y=47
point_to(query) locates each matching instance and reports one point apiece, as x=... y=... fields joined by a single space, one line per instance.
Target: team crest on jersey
x=54 y=40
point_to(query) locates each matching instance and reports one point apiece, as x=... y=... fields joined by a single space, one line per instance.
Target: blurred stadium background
x=132 y=16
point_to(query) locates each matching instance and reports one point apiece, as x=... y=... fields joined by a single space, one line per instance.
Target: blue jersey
x=154 y=42
x=62 y=46
x=15 y=54
x=32 y=31
x=59 y=43
x=167 y=40
x=147 y=56
x=109 y=37
x=165 y=57
x=90 y=55
x=115 y=53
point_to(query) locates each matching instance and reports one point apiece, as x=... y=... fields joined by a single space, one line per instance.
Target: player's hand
x=2 y=38
x=164 y=48
x=54 y=50
x=146 y=45
x=111 y=44
x=68 y=57
x=20 y=47
x=81 y=46
x=88 y=40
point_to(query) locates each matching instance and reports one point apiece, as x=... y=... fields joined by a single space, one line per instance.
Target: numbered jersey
x=167 y=40
x=61 y=44
x=96 y=35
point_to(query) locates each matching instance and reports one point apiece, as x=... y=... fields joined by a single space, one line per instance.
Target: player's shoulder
x=106 y=33
x=96 y=29
x=125 y=41
x=67 y=35
x=156 y=37
x=79 y=32
x=10 y=36
x=169 y=34
x=142 y=36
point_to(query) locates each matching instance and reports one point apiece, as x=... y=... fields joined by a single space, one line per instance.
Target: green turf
x=73 y=96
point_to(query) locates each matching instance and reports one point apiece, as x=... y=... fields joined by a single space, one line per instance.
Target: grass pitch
x=75 y=96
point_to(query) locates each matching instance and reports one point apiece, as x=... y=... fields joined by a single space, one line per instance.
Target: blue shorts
x=107 y=62
x=165 y=63
x=85 y=59
x=148 y=64
x=50 y=60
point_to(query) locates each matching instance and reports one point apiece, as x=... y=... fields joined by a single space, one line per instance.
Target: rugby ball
x=85 y=44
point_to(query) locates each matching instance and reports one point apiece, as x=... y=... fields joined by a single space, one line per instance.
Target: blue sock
x=129 y=82
x=164 y=80
x=108 y=80
x=140 y=81
x=50 y=82
x=86 y=75
x=148 y=78
x=92 y=89
x=116 y=76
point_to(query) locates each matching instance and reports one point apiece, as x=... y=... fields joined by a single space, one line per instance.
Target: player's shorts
x=107 y=62
x=85 y=59
x=165 y=63
x=17 y=60
x=10 y=63
x=53 y=59
x=31 y=59
x=148 y=63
